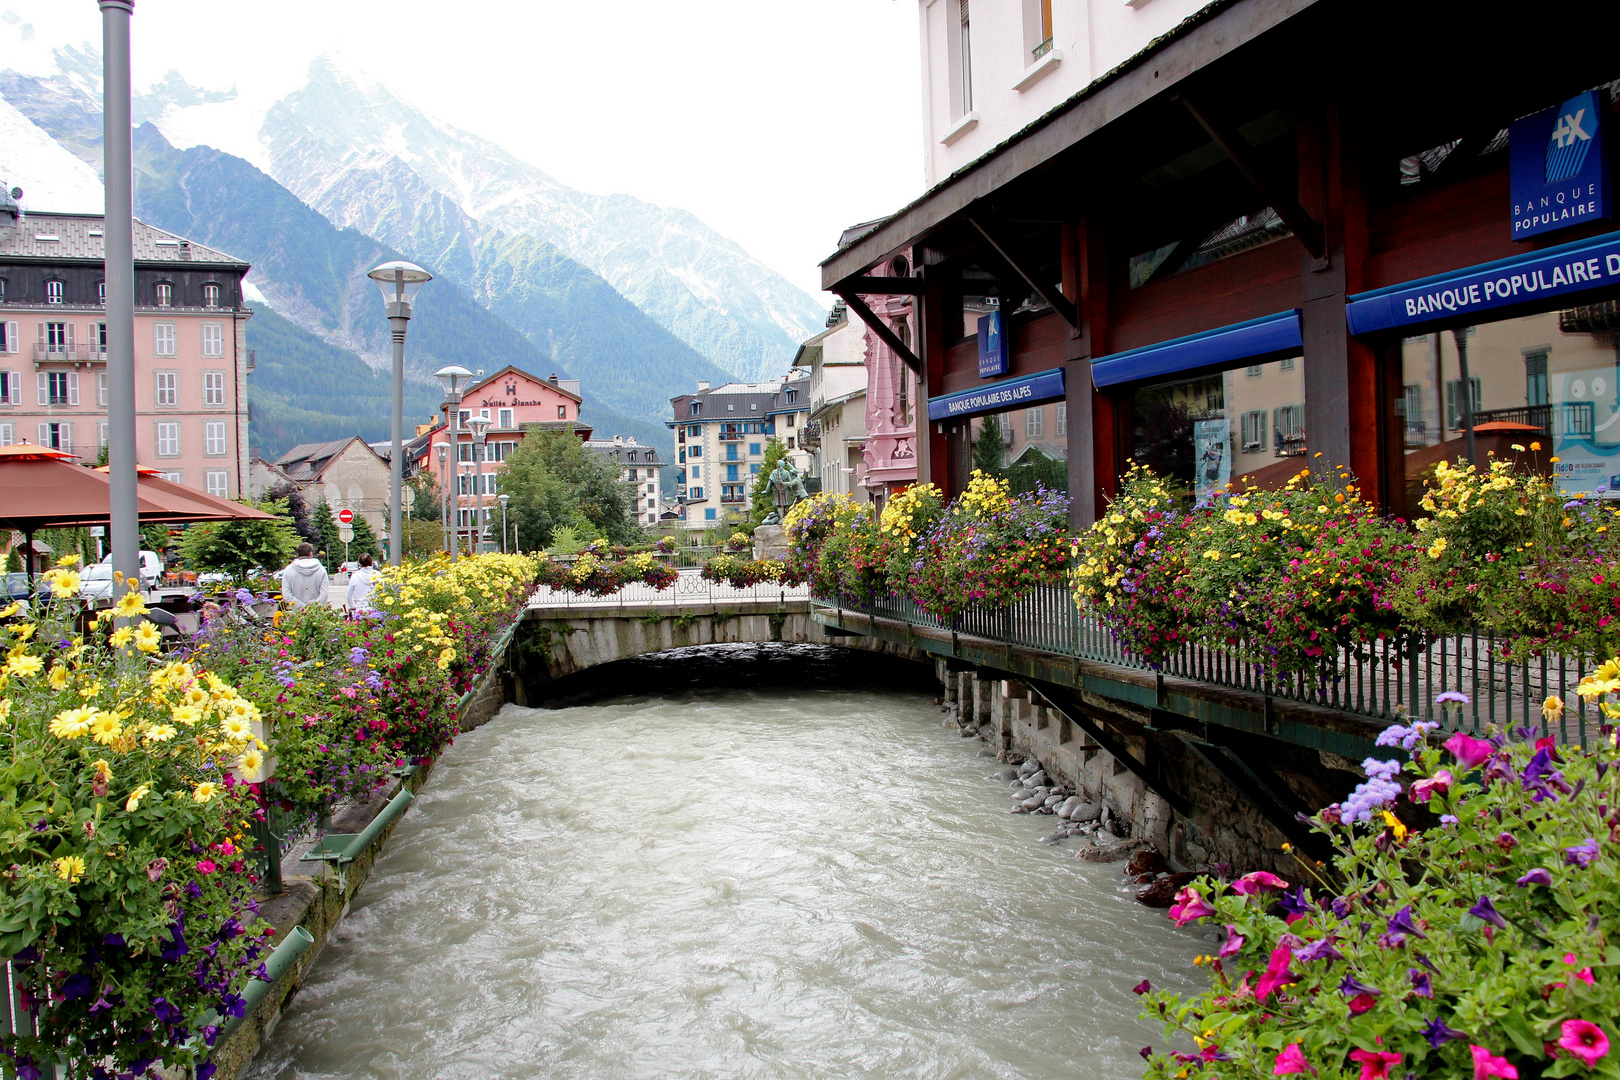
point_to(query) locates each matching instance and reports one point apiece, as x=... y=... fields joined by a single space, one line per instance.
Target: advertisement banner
x=1558 y=170
x=1212 y=457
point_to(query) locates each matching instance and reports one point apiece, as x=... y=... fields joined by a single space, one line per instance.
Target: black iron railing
x=1394 y=678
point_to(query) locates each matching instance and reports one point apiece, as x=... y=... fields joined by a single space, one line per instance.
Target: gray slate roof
x=79 y=236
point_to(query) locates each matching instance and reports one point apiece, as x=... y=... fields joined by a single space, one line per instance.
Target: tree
x=762 y=500
x=422 y=538
x=990 y=448
x=14 y=562
x=236 y=547
x=428 y=498
x=365 y=541
x=328 y=548
x=554 y=482
x=298 y=509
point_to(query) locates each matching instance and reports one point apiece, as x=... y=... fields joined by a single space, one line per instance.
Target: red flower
x=1375 y=1064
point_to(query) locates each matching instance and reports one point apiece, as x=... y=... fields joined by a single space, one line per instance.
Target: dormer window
x=696 y=405
x=165 y=294
x=210 y=296
x=791 y=394
x=53 y=292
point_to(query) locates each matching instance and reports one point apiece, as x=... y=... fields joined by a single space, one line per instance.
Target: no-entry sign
x=345 y=517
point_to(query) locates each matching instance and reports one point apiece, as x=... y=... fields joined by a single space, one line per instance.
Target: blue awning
x=1273 y=335
x=997 y=396
x=1568 y=269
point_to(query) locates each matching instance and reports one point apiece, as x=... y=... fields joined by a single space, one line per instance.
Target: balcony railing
x=1576 y=418
x=732 y=436
x=69 y=354
x=1391 y=679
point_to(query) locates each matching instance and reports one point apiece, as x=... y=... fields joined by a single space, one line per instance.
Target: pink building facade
x=515 y=403
x=890 y=451
x=191 y=357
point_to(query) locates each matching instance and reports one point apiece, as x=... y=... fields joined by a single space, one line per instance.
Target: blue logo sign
x=998 y=397
x=993 y=351
x=1559 y=171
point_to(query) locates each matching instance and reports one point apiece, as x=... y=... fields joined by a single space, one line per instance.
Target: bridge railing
x=1393 y=678
x=690 y=589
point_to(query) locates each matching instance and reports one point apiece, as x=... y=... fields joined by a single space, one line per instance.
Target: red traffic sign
x=345 y=517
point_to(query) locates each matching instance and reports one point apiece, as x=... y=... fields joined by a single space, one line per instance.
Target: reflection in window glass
x=1205 y=432
x=1548 y=378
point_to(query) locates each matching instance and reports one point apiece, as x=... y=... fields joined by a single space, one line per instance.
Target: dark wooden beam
x=1054 y=299
x=1306 y=229
x=881 y=329
x=884 y=286
x=1088 y=720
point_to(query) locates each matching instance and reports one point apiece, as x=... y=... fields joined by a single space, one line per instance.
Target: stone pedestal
x=770 y=542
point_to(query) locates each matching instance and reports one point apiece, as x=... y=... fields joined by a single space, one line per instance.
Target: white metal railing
x=689 y=588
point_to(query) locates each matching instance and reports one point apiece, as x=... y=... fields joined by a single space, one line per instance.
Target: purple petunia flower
x=1538 y=876
x=1451 y=695
x=1439 y=1034
x=1321 y=949
x=1351 y=986
x=1401 y=926
x=1582 y=854
x=1341 y=907
x=1486 y=911
x=1422 y=985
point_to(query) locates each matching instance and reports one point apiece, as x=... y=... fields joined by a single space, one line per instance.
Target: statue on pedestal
x=786 y=486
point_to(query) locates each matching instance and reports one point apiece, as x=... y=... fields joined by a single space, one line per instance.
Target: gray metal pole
x=1465 y=394
x=396 y=457
x=455 y=471
x=119 y=252
x=478 y=493
x=444 y=506
x=503 y=528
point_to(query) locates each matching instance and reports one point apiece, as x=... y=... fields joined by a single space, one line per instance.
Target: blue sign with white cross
x=993 y=352
x=1558 y=169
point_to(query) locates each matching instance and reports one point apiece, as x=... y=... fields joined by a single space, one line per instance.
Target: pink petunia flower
x=1190 y=906
x=1470 y=752
x=1291 y=1062
x=1487 y=1065
x=1277 y=973
x=1256 y=883
x=1375 y=1064
x=1585 y=1040
x=1438 y=784
x=206 y=866
x=1233 y=943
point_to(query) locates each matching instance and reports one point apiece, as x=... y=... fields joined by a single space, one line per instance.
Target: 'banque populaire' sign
x=993 y=351
x=1565 y=270
x=1011 y=394
x=1558 y=169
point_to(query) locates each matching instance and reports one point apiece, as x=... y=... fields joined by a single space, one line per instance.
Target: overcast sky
x=778 y=122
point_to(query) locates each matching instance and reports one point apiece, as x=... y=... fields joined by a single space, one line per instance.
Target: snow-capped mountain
x=366 y=159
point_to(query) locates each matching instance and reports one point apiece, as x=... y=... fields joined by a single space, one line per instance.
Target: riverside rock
x=1111 y=852
x=1146 y=861
x=1162 y=892
x=1085 y=811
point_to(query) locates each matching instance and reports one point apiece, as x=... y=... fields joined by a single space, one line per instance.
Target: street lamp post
x=444 y=495
x=455 y=379
x=480 y=426
x=118 y=251
x=505 y=498
x=399 y=282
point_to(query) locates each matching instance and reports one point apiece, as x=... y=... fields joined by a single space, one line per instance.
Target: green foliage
x=155 y=538
x=566 y=541
x=14 y=561
x=762 y=501
x=328 y=548
x=554 y=482
x=73 y=542
x=365 y=541
x=1035 y=470
x=422 y=538
x=236 y=547
x=1464 y=926
x=990 y=448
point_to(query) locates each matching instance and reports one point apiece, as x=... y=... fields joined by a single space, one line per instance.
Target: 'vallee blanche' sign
x=1558 y=169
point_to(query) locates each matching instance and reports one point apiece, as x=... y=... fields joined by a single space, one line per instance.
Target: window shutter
x=69 y=333
x=12 y=339
x=6 y=436
x=73 y=388
x=44 y=435
x=44 y=389
x=67 y=437
x=42 y=333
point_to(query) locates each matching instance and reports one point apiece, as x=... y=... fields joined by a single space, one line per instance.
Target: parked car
x=15 y=587
x=96 y=583
x=151 y=568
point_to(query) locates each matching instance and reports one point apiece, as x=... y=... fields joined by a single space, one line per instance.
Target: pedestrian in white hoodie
x=362 y=586
x=304 y=579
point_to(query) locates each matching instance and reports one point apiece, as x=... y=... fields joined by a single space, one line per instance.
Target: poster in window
x=1212 y=464
x=1587 y=420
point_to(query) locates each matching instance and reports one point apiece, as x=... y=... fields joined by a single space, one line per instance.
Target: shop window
x=1205 y=432
x=1549 y=378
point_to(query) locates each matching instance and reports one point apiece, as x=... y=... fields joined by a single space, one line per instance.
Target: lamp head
x=505 y=499
x=453 y=378
x=444 y=452
x=399 y=282
x=479 y=425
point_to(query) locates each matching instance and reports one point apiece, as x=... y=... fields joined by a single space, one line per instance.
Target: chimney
x=702 y=386
x=185 y=251
x=553 y=379
x=618 y=440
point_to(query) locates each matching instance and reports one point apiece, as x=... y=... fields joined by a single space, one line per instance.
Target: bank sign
x=1559 y=170
x=993 y=352
x=999 y=397
x=1567 y=270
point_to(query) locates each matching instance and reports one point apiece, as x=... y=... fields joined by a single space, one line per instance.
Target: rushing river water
x=798 y=875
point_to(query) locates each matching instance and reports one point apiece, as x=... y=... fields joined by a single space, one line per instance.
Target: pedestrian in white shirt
x=304 y=579
x=362 y=586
